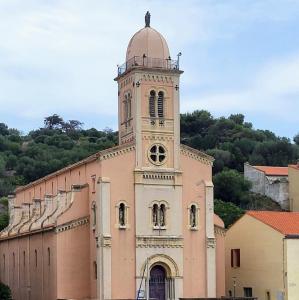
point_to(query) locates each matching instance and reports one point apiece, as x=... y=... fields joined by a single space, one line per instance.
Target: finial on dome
x=147 y=19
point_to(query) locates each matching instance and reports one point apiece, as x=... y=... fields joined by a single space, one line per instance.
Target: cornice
x=196 y=154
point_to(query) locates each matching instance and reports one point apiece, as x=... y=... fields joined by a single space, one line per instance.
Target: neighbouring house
x=261 y=255
x=130 y=221
x=294 y=187
x=269 y=181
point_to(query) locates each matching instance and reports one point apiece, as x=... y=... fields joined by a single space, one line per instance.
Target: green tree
x=4 y=217
x=227 y=211
x=5 y=292
x=230 y=186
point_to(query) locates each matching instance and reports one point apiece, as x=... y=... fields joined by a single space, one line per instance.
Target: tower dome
x=148 y=42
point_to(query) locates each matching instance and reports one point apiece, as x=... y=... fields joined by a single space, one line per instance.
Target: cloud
x=61 y=56
x=274 y=90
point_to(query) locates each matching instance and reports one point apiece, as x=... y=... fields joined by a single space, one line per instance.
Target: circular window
x=157 y=154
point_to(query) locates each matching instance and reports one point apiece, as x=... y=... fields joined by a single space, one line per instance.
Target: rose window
x=157 y=154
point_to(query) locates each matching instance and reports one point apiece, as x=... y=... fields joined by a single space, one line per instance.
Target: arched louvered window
x=160 y=104
x=125 y=108
x=152 y=105
x=129 y=108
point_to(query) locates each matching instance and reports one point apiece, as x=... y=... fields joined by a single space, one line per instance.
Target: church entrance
x=157 y=283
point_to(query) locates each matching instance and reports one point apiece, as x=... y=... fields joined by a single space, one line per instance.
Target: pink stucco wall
x=194 y=241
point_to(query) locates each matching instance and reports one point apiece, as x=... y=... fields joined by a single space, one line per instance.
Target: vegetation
x=231 y=141
x=5 y=292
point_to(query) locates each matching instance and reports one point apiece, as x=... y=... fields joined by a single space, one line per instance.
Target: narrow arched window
x=162 y=215
x=193 y=216
x=161 y=104
x=126 y=108
x=94 y=215
x=24 y=258
x=49 y=256
x=13 y=260
x=152 y=105
x=35 y=255
x=155 y=216
x=129 y=112
x=4 y=263
x=121 y=214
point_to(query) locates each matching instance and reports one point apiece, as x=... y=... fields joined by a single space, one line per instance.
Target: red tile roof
x=285 y=222
x=273 y=171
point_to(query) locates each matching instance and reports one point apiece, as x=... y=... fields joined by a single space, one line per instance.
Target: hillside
x=231 y=141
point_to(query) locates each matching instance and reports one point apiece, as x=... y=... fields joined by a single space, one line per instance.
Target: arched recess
x=166 y=261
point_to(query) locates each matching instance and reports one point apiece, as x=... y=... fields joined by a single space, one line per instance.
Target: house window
x=24 y=258
x=122 y=215
x=13 y=260
x=159 y=216
x=235 y=258
x=268 y=295
x=152 y=104
x=247 y=292
x=193 y=217
x=160 y=104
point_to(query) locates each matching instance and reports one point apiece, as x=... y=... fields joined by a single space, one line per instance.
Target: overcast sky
x=60 y=57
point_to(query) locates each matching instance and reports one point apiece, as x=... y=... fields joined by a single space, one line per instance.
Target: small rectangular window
x=268 y=295
x=247 y=292
x=235 y=258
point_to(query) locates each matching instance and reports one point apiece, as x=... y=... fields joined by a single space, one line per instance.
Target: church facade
x=133 y=221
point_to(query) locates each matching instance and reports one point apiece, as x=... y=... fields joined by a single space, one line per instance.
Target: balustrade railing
x=147 y=62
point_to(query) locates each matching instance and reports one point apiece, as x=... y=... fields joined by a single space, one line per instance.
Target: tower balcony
x=148 y=62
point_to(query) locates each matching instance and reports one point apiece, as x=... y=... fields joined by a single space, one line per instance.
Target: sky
x=61 y=56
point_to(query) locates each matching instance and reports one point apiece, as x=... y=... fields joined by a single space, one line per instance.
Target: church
x=135 y=221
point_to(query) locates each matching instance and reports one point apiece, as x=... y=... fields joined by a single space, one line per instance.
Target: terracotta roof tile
x=273 y=171
x=285 y=222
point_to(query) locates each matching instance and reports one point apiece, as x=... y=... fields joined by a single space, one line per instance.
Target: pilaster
x=210 y=240
x=103 y=236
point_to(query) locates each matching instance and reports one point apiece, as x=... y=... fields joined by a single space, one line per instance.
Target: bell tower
x=149 y=117
x=148 y=100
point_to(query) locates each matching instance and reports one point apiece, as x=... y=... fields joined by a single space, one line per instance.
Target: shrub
x=5 y=292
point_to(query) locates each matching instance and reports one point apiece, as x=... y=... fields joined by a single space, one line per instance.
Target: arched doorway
x=157 y=283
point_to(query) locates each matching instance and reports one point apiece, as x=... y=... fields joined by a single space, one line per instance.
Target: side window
x=193 y=212
x=122 y=215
